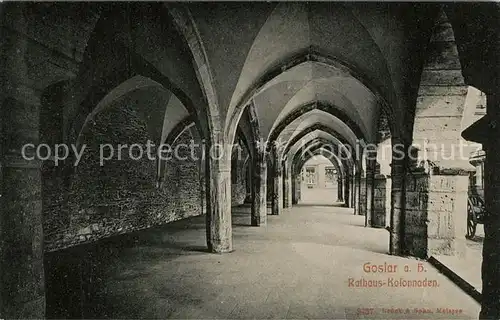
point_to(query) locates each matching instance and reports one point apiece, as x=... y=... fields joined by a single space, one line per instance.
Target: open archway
x=243 y=95
x=319 y=181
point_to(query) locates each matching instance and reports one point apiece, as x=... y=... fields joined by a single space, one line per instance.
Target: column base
x=259 y=221
x=220 y=246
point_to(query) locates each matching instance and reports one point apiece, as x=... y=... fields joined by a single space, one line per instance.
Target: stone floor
x=297 y=267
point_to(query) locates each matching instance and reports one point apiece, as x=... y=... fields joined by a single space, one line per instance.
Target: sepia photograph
x=249 y=160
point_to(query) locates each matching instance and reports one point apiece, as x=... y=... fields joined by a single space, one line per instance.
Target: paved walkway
x=307 y=263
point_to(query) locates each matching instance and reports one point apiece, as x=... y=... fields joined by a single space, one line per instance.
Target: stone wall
x=91 y=202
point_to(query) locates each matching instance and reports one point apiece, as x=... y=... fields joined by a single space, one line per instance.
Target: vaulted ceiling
x=326 y=67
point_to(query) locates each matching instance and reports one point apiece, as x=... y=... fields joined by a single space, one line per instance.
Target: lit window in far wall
x=330 y=173
x=311 y=175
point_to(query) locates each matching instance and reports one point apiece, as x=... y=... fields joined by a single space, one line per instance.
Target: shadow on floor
x=78 y=278
x=74 y=277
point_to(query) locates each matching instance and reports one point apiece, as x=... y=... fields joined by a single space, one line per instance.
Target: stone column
x=219 y=227
x=340 y=191
x=415 y=213
x=249 y=174
x=490 y=308
x=379 y=201
x=397 y=206
x=369 y=193
x=347 y=190
x=203 y=181
x=446 y=212
x=362 y=197
x=435 y=212
x=297 y=182
x=352 y=192
x=290 y=183
x=259 y=190
x=287 y=186
x=357 y=189
x=22 y=290
x=388 y=188
x=277 y=200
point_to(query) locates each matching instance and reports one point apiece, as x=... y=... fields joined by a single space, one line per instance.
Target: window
x=311 y=175
x=330 y=174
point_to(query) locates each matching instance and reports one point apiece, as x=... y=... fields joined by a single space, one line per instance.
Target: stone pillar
x=357 y=189
x=296 y=183
x=290 y=183
x=441 y=98
x=340 y=191
x=22 y=291
x=446 y=212
x=490 y=306
x=388 y=188
x=379 y=201
x=219 y=227
x=259 y=190
x=435 y=213
x=249 y=174
x=284 y=185
x=270 y=180
x=277 y=200
x=397 y=206
x=362 y=197
x=415 y=213
x=369 y=193
x=352 y=193
x=203 y=181
x=347 y=190
x=287 y=186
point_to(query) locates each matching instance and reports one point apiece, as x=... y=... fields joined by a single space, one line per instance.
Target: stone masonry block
x=431 y=90
x=442 y=77
x=441 y=201
x=440 y=124
x=442 y=55
x=450 y=184
x=440 y=106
